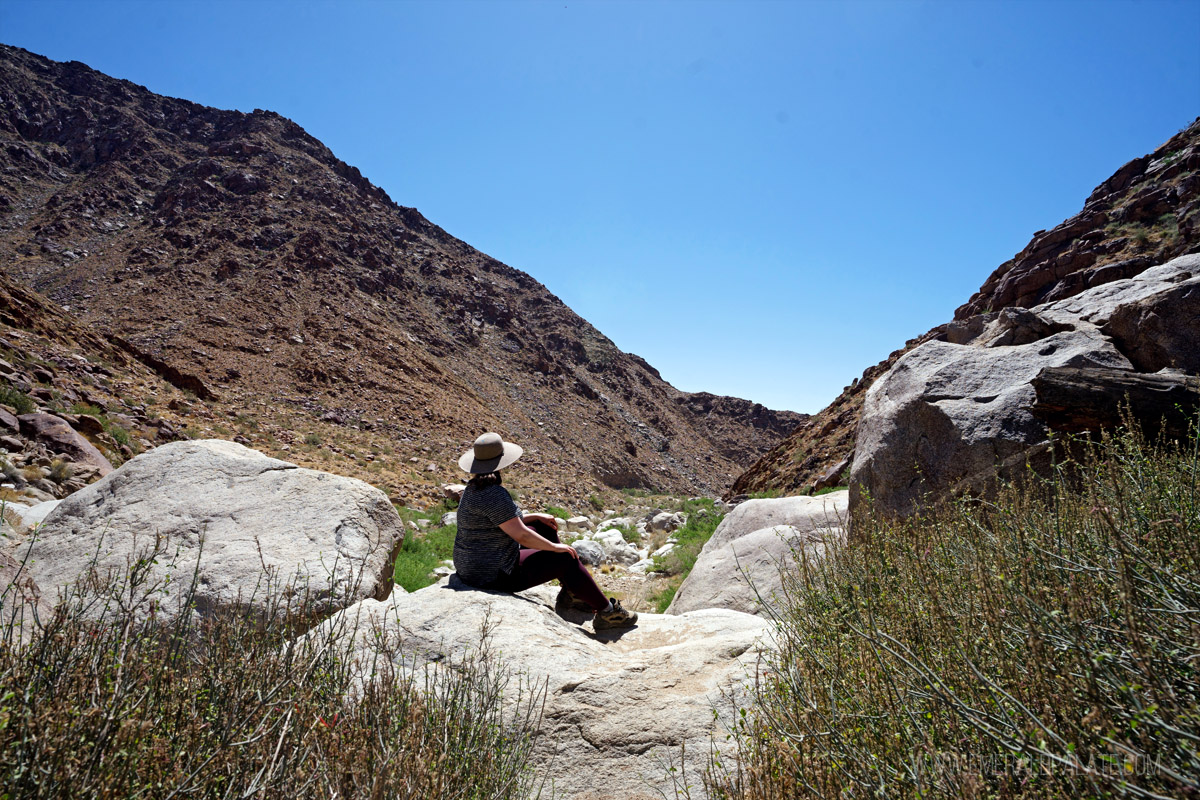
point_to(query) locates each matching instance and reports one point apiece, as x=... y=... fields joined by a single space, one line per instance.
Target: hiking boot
x=615 y=617
x=569 y=601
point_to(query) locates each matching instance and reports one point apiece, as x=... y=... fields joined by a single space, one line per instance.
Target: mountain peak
x=237 y=249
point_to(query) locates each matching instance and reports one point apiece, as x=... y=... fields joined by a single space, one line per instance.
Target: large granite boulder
x=948 y=413
x=952 y=414
x=619 y=704
x=244 y=524
x=740 y=565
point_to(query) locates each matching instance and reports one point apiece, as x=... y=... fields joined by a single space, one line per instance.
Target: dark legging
x=535 y=567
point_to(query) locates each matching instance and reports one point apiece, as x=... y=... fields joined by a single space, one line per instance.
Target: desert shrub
x=595 y=502
x=829 y=489
x=561 y=513
x=87 y=409
x=12 y=396
x=312 y=440
x=628 y=532
x=61 y=471
x=32 y=473
x=1044 y=644
x=766 y=494
x=121 y=704
x=118 y=433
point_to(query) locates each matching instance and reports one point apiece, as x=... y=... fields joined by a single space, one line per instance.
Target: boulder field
x=621 y=706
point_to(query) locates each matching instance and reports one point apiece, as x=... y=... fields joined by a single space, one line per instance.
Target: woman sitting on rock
x=498 y=547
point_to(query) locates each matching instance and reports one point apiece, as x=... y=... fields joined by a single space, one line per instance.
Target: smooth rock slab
x=619 y=705
x=740 y=564
x=233 y=510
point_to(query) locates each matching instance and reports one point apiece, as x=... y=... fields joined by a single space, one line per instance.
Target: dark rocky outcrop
x=61 y=439
x=1075 y=400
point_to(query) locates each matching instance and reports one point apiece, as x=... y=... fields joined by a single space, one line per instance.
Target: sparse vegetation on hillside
x=1046 y=644
x=231 y=706
x=11 y=396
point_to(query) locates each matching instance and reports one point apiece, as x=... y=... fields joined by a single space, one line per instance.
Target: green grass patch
x=1043 y=644
x=423 y=550
x=703 y=519
x=662 y=599
x=829 y=489
x=766 y=494
x=556 y=511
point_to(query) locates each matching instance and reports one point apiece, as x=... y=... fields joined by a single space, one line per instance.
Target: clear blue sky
x=761 y=199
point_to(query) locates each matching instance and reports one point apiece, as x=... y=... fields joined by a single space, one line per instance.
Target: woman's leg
x=535 y=567
x=546 y=531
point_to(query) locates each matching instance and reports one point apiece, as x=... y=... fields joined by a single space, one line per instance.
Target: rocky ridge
x=250 y=268
x=1145 y=214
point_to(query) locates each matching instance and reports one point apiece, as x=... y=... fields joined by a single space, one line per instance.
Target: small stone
x=590 y=552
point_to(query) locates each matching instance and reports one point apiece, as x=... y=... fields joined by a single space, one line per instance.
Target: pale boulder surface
x=233 y=511
x=619 y=704
x=952 y=414
x=34 y=515
x=740 y=565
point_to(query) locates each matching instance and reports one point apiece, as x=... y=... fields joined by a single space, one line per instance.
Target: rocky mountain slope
x=1145 y=214
x=73 y=403
x=319 y=320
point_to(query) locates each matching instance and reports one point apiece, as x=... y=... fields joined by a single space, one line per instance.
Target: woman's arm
x=527 y=537
x=539 y=517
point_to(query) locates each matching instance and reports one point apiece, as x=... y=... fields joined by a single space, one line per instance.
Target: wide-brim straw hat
x=490 y=453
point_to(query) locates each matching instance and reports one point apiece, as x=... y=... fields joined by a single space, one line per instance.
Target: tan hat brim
x=468 y=462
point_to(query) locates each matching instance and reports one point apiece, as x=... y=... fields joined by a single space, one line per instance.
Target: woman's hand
x=566 y=548
x=548 y=519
